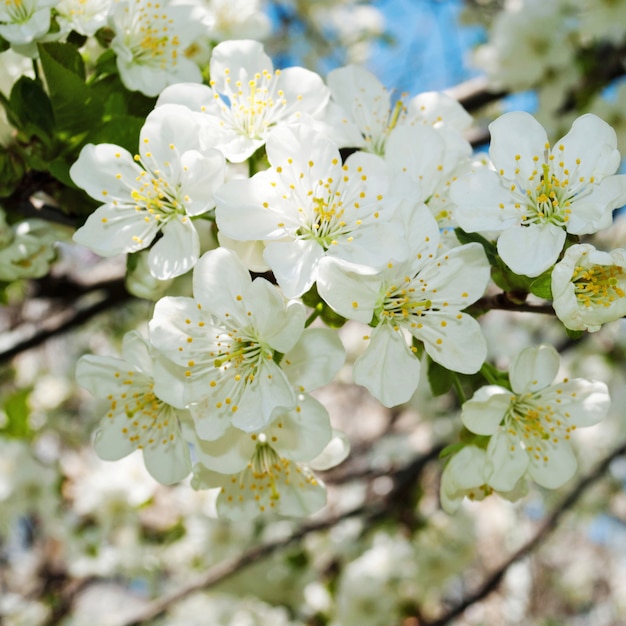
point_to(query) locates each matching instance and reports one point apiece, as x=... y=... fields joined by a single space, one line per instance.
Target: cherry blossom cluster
x=222 y=384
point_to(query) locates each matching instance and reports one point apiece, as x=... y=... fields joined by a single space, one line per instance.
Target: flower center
x=151 y=422
x=598 y=285
x=149 y=37
x=18 y=11
x=536 y=424
x=255 y=105
x=549 y=201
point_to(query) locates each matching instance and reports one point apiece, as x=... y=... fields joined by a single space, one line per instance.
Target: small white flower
x=369 y=117
x=24 y=21
x=137 y=417
x=171 y=180
x=539 y=193
x=530 y=427
x=589 y=287
x=27 y=248
x=308 y=206
x=150 y=42
x=247 y=97
x=83 y=16
x=468 y=475
x=421 y=298
x=229 y=338
x=269 y=482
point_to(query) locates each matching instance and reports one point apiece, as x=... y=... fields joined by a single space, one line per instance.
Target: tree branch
x=113 y=294
x=404 y=478
x=546 y=528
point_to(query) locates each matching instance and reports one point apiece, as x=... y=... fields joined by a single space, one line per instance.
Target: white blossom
x=589 y=287
x=539 y=192
x=229 y=338
x=420 y=298
x=530 y=426
x=308 y=207
x=161 y=189
x=137 y=418
x=248 y=97
x=150 y=42
x=369 y=116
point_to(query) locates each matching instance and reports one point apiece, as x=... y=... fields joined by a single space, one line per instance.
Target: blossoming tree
x=322 y=305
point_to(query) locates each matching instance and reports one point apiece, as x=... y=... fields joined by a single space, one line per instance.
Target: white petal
x=508 y=462
x=294 y=264
x=483 y=413
x=301 y=434
x=333 y=454
x=534 y=368
x=531 y=250
x=218 y=278
x=512 y=134
x=589 y=148
x=348 y=292
x=388 y=368
x=97 y=168
x=168 y=464
x=227 y=454
x=177 y=251
x=556 y=468
x=268 y=393
x=454 y=340
x=314 y=360
x=581 y=402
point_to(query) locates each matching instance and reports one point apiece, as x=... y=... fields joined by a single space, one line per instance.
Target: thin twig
x=403 y=479
x=114 y=294
x=547 y=527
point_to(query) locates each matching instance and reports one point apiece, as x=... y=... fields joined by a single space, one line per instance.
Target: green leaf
x=440 y=378
x=574 y=334
x=122 y=131
x=31 y=106
x=490 y=248
x=60 y=169
x=509 y=281
x=76 y=108
x=332 y=319
x=542 y=285
x=453 y=448
x=4 y=44
x=66 y=55
x=12 y=170
x=17 y=412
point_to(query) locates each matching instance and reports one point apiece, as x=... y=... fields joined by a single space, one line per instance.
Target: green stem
x=314 y=315
x=494 y=376
x=458 y=388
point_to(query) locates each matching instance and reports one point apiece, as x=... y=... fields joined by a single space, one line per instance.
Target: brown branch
x=404 y=478
x=113 y=294
x=546 y=528
x=501 y=302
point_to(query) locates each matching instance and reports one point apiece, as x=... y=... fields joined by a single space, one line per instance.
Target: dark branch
x=404 y=479
x=113 y=294
x=546 y=528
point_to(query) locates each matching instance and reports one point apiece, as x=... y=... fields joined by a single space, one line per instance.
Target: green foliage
x=12 y=169
x=75 y=106
x=30 y=109
x=313 y=300
x=440 y=378
x=17 y=411
x=542 y=285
